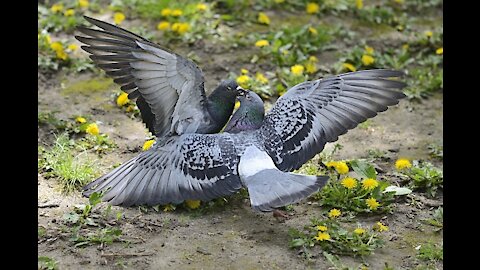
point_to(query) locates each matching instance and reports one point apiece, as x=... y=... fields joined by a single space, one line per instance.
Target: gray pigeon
x=169 y=88
x=207 y=166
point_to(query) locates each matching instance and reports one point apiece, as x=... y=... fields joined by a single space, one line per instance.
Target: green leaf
x=364 y=169
x=297 y=242
x=398 y=190
x=95 y=199
x=71 y=217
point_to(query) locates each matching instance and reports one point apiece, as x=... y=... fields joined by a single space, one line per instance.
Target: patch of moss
x=97 y=84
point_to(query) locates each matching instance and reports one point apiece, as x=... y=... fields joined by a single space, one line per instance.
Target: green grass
x=47 y=263
x=62 y=163
x=430 y=252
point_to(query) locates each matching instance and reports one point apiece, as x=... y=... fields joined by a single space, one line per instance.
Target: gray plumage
x=207 y=166
x=169 y=88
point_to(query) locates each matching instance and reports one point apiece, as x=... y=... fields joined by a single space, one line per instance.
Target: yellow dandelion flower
x=322 y=228
x=322 y=236
x=201 y=7
x=61 y=54
x=166 y=12
x=243 y=80
x=262 y=43
x=147 y=145
x=48 y=39
x=341 y=167
x=372 y=203
x=83 y=3
x=310 y=67
x=93 y=129
x=349 y=67
x=261 y=78
x=163 y=25
x=72 y=47
x=56 y=8
x=118 y=17
x=331 y=164
x=177 y=12
x=237 y=105
x=313 y=59
x=439 y=51
x=369 y=183
x=122 y=99
x=402 y=163
x=69 y=12
x=399 y=1
x=263 y=18
x=313 y=31
x=349 y=182
x=169 y=208
x=367 y=60
x=180 y=28
x=192 y=204
x=297 y=69
x=56 y=46
x=334 y=213
x=312 y=8
x=428 y=34
x=369 y=50
x=359 y=4
x=359 y=231
x=80 y=120
x=379 y=226
x=244 y=71
x=405 y=47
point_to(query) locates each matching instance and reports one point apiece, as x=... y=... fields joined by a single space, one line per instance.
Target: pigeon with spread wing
x=168 y=88
x=257 y=151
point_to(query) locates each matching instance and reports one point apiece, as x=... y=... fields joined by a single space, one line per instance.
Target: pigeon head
x=249 y=115
x=232 y=87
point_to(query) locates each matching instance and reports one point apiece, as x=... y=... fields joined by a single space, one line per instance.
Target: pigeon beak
x=241 y=91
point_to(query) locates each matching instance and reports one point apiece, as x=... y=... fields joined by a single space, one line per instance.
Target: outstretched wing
x=191 y=166
x=171 y=87
x=316 y=112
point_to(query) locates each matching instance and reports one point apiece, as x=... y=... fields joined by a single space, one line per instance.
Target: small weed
x=435 y=151
x=335 y=238
x=350 y=194
x=82 y=217
x=424 y=176
x=430 y=252
x=47 y=263
x=437 y=219
x=424 y=83
x=60 y=162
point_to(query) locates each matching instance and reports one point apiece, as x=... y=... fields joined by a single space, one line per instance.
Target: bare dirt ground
x=233 y=236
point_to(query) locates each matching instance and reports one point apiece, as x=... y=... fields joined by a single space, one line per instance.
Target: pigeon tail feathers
x=270 y=188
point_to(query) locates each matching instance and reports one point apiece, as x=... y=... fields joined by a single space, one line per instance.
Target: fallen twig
x=48 y=205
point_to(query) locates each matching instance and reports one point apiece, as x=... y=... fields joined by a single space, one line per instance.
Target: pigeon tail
x=270 y=188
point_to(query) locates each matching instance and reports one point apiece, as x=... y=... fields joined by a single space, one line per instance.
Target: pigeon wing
x=313 y=113
x=171 y=87
x=191 y=166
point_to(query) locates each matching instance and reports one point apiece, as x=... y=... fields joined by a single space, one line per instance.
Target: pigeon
x=168 y=88
x=255 y=152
